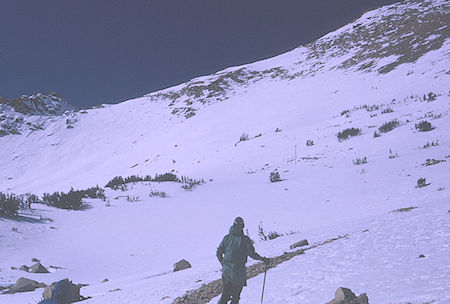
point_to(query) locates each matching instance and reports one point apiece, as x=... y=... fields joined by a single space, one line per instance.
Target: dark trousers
x=230 y=291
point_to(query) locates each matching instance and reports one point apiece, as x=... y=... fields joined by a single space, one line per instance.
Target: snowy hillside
x=356 y=124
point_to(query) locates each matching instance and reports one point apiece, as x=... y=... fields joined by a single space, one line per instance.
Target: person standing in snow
x=232 y=254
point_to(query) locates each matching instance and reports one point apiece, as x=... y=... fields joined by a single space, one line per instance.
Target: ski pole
x=264 y=284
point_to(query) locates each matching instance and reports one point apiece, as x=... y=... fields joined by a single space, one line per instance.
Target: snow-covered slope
x=390 y=65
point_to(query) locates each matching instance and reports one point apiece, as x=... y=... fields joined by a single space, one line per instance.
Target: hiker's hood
x=236 y=229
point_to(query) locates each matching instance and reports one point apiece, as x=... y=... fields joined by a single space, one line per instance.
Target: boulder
x=346 y=296
x=23 y=285
x=299 y=244
x=181 y=265
x=63 y=291
x=38 y=268
x=24 y=268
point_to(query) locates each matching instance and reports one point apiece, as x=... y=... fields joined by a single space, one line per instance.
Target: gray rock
x=299 y=244
x=38 y=268
x=63 y=290
x=181 y=265
x=346 y=296
x=24 y=268
x=23 y=285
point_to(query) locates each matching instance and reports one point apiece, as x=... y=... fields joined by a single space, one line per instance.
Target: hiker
x=232 y=254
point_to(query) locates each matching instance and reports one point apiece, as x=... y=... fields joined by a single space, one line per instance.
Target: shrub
x=389 y=126
x=360 y=161
x=387 y=110
x=376 y=134
x=269 y=236
x=421 y=182
x=116 y=183
x=345 y=134
x=243 y=137
x=161 y=194
x=428 y=145
x=9 y=205
x=166 y=177
x=309 y=142
x=275 y=176
x=424 y=126
x=73 y=200
x=392 y=155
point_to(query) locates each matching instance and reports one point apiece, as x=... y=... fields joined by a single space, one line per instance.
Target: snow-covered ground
x=323 y=194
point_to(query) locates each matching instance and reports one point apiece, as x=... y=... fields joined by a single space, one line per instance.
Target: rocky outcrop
x=181 y=265
x=346 y=296
x=299 y=244
x=23 y=285
x=38 y=268
x=63 y=291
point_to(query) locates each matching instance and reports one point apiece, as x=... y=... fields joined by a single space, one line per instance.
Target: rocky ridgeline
x=29 y=112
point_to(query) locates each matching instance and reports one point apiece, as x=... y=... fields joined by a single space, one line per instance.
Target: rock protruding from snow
x=63 y=291
x=181 y=265
x=24 y=284
x=38 y=268
x=24 y=268
x=39 y=104
x=299 y=244
x=346 y=296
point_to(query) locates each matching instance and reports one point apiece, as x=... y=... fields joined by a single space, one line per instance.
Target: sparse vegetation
x=244 y=137
x=72 y=200
x=263 y=236
x=360 y=161
x=309 y=142
x=156 y=193
x=392 y=155
x=424 y=126
x=119 y=182
x=404 y=209
x=429 y=97
x=421 y=182
x=387 y=110
x=432 y=144
x=9 y=205
x=275 y=176
x=389 y=126
x=345 y=134
x=432 y=161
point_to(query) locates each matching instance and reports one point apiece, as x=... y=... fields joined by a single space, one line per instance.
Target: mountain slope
x=361 y=76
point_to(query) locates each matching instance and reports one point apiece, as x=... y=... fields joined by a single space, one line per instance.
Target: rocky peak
x=38 y=104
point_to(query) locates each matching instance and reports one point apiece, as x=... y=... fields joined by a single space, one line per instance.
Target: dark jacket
x=232 y=254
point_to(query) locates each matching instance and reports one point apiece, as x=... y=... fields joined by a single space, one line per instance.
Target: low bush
x=309 y=142
x=72 y=200
x=275 y=177
x=9 y=205
x=389 y=126
x=360 y=161
x=345 y=134
x=424 y=126
x=421 y=182
x=269 y=236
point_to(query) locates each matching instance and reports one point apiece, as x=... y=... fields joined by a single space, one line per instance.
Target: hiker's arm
x=252 y=253
x=221 y=251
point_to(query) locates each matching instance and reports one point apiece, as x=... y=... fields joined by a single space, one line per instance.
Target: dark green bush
x=9 y=205
x=345 y=134
x=389 y=126
x=424 y=126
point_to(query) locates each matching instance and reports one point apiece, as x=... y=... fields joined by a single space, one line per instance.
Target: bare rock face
x=181 y=265
x=299 y=244
x=23 y=285
x=38 y=268
x=346 y=296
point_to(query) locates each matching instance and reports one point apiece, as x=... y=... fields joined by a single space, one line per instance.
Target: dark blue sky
x=106 y=51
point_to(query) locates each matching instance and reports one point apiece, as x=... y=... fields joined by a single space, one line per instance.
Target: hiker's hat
x=239 y=220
